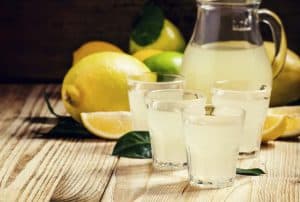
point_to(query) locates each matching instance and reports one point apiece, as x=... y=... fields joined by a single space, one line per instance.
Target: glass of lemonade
x=139 y=85
x=254 y=100
x=164 y=114
x=212 y=142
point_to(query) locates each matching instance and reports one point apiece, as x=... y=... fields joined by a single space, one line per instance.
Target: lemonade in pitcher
x=227 y=45
x=205 y=64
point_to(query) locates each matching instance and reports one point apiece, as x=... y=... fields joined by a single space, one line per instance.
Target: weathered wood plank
x=135 y=180
x=33 y=168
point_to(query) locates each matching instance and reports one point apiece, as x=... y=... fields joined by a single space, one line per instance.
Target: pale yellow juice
x=203 y=65
x=166 y=136
x=256 y=110
x=212 y=147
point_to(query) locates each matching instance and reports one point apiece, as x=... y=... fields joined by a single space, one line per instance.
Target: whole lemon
x=98 y=83
x=286 y=85
x=93 y=47
x=170 y=39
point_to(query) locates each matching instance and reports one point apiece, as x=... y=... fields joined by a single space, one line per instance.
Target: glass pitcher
x=227 y=45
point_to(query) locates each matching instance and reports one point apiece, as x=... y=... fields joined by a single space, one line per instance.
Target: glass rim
x=185 y=91
x=265 y=91
x=179 y=78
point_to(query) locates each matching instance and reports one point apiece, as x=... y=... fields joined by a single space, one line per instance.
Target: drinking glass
x=165 y=125
x=212 y=141
x=139 y=85
x=254 y=99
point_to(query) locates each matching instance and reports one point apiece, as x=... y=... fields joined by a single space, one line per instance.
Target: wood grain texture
x=34 y=167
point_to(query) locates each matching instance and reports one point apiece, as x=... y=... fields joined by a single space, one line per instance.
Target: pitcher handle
x=279 y=37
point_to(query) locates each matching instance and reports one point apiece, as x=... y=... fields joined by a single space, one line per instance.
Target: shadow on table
x=290 y=139
x=54 y=128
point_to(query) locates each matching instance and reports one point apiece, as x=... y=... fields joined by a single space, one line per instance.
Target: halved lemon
x=109 y=125
x=274 y=127
x=293 y=119
x=292 y=128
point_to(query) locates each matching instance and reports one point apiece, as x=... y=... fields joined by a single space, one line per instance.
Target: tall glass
x=212 y=140
x=254 y=100
x=139 y=85
x=165 y=125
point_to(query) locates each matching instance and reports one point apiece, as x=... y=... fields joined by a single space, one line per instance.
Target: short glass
x=139 y=85
x=164 y=114
x=254 y=100
x=212 y=141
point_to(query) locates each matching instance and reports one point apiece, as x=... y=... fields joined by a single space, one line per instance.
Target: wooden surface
x=39 y=168
x=38 y=37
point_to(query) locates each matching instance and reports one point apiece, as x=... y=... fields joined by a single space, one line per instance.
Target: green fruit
x=166 y=62
x=170 y=39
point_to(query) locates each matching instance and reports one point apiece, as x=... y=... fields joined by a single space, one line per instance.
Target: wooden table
x=37 y=168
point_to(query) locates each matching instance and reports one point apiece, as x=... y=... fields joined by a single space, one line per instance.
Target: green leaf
x=66 y=126
x=149 y=25
x=135 y=144
x=251 y=172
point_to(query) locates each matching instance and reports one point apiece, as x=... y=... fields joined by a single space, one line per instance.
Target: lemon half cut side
x=108 y=125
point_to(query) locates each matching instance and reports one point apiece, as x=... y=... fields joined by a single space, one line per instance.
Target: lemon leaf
x=148 y=26
x=135 y=144
x=251 y=171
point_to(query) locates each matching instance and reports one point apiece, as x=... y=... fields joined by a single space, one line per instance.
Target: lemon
x=110 y=125
x=274 y=127
x=285 y=110
x=145 y=53
x=293 y=119
x=93 y=47
x=170 y=39
x=293 y=127
x=98 y=83
x=286 y=86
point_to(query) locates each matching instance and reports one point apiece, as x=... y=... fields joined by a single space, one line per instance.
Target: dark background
x=38 y=37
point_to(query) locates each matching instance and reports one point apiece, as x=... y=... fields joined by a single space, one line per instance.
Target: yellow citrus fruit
x=109 y=125
x=285 y=110
x=293 y=119
x=274 y=127
x=146 y=53
x=170 y=39
x=93 y=47
x=98 y=82
x=293 y=127
x=286 y=86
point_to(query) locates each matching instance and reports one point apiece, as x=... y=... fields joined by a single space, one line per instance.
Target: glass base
x=216 y=184
x=169 y=165
x=245 y=155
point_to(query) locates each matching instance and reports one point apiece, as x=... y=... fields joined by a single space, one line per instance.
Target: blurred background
x=38 y=37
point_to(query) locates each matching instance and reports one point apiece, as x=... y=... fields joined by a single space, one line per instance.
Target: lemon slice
x=293 y=119
x=274 y=127
x=109 y=125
